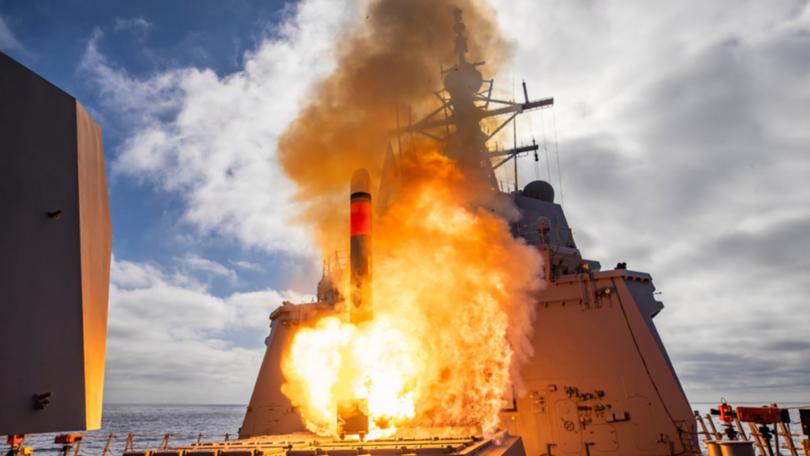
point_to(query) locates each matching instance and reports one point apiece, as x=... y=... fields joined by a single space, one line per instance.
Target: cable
x=545 y=145
x=557 y=153
x=531 y=131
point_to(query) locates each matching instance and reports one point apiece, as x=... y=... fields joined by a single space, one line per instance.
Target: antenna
x=557 y=154
x=466 y=99
x=514 y=144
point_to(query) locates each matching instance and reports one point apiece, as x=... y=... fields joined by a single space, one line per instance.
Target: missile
x=360 y=251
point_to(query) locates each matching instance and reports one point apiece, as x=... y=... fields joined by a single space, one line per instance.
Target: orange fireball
x=449 y=281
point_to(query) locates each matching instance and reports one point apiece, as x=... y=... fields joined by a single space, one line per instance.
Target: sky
x=681 y=129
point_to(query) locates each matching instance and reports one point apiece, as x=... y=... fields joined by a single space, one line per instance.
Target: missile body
x=360 y=251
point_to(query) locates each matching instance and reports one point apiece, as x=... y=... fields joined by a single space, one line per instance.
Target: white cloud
x=7 y=40
x=141 y=103
x=213 y=139
x=137 y=24
x=169 y=338
x=247 y=265
x=199 y=263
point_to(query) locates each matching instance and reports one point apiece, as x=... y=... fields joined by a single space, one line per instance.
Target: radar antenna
x=465 y=101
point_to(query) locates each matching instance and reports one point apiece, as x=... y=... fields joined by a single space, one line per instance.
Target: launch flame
x=452 y=288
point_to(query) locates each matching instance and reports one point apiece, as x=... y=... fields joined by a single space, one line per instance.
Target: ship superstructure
x=600 y=380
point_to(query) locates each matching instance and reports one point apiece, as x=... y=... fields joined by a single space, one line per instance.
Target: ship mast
x=465 y=102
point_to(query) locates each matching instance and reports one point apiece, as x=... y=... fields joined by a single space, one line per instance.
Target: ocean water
x=149 y=423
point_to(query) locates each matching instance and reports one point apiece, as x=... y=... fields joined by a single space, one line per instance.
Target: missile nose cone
x=361 y=182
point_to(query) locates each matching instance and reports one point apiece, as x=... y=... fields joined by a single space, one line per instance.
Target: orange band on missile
x=360 y=217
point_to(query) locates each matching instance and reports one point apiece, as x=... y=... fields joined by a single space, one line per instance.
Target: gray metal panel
x=41 y=299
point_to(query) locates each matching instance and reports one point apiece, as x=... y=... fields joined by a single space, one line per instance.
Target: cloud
x=684 y=143
x=136 y=24
x=170 y=340
x=199 y=263
x=212 y=140
x=7 y=40
x=247 y=265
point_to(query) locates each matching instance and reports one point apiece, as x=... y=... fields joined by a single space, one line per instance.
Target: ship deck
x=305 y=444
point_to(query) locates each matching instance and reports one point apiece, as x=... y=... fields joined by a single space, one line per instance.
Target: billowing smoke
x=452 y=288
x=391 y=62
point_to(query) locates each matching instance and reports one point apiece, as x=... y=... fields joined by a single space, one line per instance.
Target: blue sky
x=143 y=38
x=683 y=141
